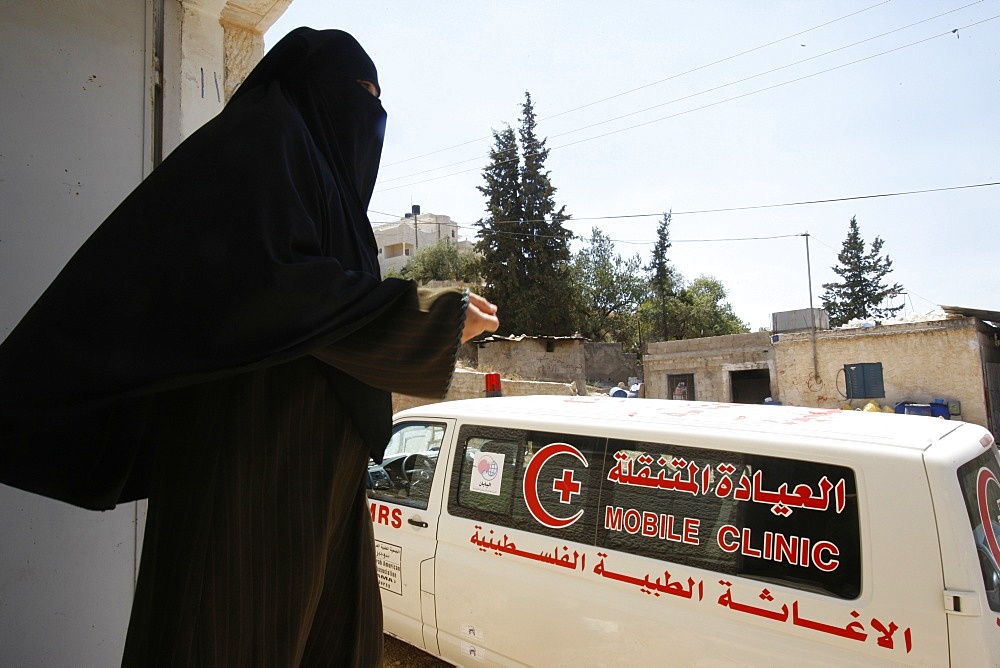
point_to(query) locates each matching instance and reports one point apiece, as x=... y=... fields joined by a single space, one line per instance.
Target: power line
x=814 y=201
x=765 y=73
x=708 y=241
x=749 y=207
x=688 y=111
x=670 y=78
x=722 y=60
x=708 y=90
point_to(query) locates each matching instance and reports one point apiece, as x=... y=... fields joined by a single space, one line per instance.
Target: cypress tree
x=525 y=247
x=663 y=280
x=499 y=243
x=864 y=290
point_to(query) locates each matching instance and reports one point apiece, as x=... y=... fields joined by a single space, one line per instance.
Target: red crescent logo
x=985 y=476
x=530 y=484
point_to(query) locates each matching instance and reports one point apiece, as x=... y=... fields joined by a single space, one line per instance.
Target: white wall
x=76 y=82
x=72 y=143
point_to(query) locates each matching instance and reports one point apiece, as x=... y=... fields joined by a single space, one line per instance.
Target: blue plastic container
x=930 y=410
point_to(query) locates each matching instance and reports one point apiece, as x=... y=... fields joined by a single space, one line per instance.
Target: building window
x=864 y=380
x=680 y=386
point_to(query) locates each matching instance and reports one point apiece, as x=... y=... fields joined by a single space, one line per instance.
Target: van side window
x=777 y=520
x=980 y=482
x=546 y=483
x=408 y=468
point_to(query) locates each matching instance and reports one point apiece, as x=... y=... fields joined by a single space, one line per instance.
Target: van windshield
x=980 y=482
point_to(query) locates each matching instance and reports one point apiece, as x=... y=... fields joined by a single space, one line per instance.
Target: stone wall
x=709 y=359
x=920 y=362
x=472 y=385
x=607 y=364
x=555 y=359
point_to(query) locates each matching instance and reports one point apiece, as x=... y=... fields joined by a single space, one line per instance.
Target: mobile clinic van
x=570 y=531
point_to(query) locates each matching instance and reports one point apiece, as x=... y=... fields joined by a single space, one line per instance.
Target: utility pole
x=415 y=212
x=812 y=314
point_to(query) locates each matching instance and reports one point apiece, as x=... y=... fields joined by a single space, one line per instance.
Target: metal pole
x=812 y=314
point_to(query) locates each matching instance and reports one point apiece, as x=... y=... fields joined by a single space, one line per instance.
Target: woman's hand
x=480 y=316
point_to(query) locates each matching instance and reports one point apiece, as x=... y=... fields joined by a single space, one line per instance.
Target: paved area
x=399 y=654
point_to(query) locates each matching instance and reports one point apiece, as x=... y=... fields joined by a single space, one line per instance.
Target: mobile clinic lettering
x=487 y=473
x=690 y=478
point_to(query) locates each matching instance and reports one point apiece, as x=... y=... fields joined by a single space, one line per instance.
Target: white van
x=571 y=531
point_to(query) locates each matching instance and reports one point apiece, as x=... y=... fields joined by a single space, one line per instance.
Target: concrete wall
x=472 y=385
x=607 y=364
x=920 y=362
x=76 y=137
x=710 y=359
x=74 y=142
x=531 y=357
x=938 y=359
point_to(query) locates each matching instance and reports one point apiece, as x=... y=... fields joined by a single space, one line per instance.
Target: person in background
x=224 y=346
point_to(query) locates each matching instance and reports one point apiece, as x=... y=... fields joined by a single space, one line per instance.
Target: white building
x=399 y=241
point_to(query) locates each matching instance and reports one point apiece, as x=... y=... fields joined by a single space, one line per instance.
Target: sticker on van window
x=487 y=473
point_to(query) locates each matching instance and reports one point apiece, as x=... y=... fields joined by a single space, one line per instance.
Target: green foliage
x=609 y=290
x=695 y=310
x=442 y=262
x=528 y=272
x=524 y=247
x=663 y=285
x=708 y=314
x=863 y=291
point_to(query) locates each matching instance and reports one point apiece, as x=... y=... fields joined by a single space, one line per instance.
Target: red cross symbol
x=566 y=486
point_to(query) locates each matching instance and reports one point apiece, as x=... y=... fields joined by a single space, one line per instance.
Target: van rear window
x=980 y=482
x=777 y=520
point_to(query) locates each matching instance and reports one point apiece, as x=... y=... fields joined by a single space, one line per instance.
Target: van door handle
x=418 y=523
x=965 y=603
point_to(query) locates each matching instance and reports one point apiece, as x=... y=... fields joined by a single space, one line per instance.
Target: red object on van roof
x=493 y=385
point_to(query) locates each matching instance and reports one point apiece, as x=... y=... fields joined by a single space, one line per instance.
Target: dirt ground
x=398 y=654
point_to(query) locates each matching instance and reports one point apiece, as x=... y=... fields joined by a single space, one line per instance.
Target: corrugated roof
x=989 y=316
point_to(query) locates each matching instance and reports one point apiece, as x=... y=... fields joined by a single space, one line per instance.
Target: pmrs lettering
x=383 y=514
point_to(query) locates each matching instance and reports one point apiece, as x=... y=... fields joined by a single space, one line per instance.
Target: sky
x=727 y=114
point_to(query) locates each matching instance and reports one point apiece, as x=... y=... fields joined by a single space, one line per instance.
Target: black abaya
x=248 y=247
x=223 y=345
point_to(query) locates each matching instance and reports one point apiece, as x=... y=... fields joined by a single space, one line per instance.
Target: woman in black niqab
x=224 y=345
x=249 y=246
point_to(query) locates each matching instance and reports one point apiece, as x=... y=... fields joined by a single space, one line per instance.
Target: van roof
x=631 y=415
